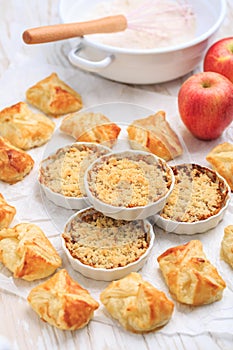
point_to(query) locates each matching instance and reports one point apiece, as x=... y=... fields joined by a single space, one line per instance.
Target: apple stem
x=206 y=85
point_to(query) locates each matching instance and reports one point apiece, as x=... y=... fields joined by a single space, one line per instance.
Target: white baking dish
x=198 y=226
x=143 y=66
x=123 y=212
x=58 y=198
x=105 y=274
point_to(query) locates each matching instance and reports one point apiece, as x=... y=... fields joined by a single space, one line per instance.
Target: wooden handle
x=57 y=32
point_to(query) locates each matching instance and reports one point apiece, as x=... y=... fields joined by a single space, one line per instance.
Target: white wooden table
x=16 y=327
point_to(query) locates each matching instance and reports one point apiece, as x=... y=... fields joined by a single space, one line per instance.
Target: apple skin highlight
x=219 y=58
x=205 y=103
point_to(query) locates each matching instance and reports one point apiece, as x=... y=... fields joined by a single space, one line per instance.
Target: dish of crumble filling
x=129 y=179
x=63 y=171
x=102 y=242
x=198 y=193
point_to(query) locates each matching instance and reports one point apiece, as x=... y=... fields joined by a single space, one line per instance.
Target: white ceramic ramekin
x=200 y=226
x=103 y=274
x=58 y=198
x=122 y=212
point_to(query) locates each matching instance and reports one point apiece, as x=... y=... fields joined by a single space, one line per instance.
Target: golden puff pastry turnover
x=190 y=277
x=7 y=213
x=54 y=97
x=27 y=252
x=154 y=134
x=62 y=302
x=91 y=127
x=15 y=163
x=226 y=251
x=24 y=128
x=137 y=304
x=221 y=159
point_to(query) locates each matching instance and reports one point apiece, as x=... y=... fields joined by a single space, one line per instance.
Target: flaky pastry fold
x=221 y=159
x=91 y=127
x=7 y=213
x=15 y=163
x=27 y=252
x=62 y=302
x=190 y=277
x=54 y=97
x=226 y=251
x=24 y=128
x=154 y=134
x=137 y=304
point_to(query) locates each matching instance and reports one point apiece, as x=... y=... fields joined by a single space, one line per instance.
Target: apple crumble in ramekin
x=102 y=242
x=63 y=171
x=129 y=179
x=198 y=194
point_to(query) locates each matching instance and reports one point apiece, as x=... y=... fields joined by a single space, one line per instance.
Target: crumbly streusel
x=102 y=242
x=129 y=181
x=63 y=171
x=198 y=193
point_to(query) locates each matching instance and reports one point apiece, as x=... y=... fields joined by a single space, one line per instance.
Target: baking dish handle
x=83 y=63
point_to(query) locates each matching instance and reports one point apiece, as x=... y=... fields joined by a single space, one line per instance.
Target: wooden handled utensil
x=147 y=17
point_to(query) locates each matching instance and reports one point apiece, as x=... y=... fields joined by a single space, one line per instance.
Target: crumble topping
x=129 y=181
x=198 y=193
x=102 y=242
x=63 y=172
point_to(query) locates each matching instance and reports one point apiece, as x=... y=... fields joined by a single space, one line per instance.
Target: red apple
x=219 y=58
x=205 y=102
